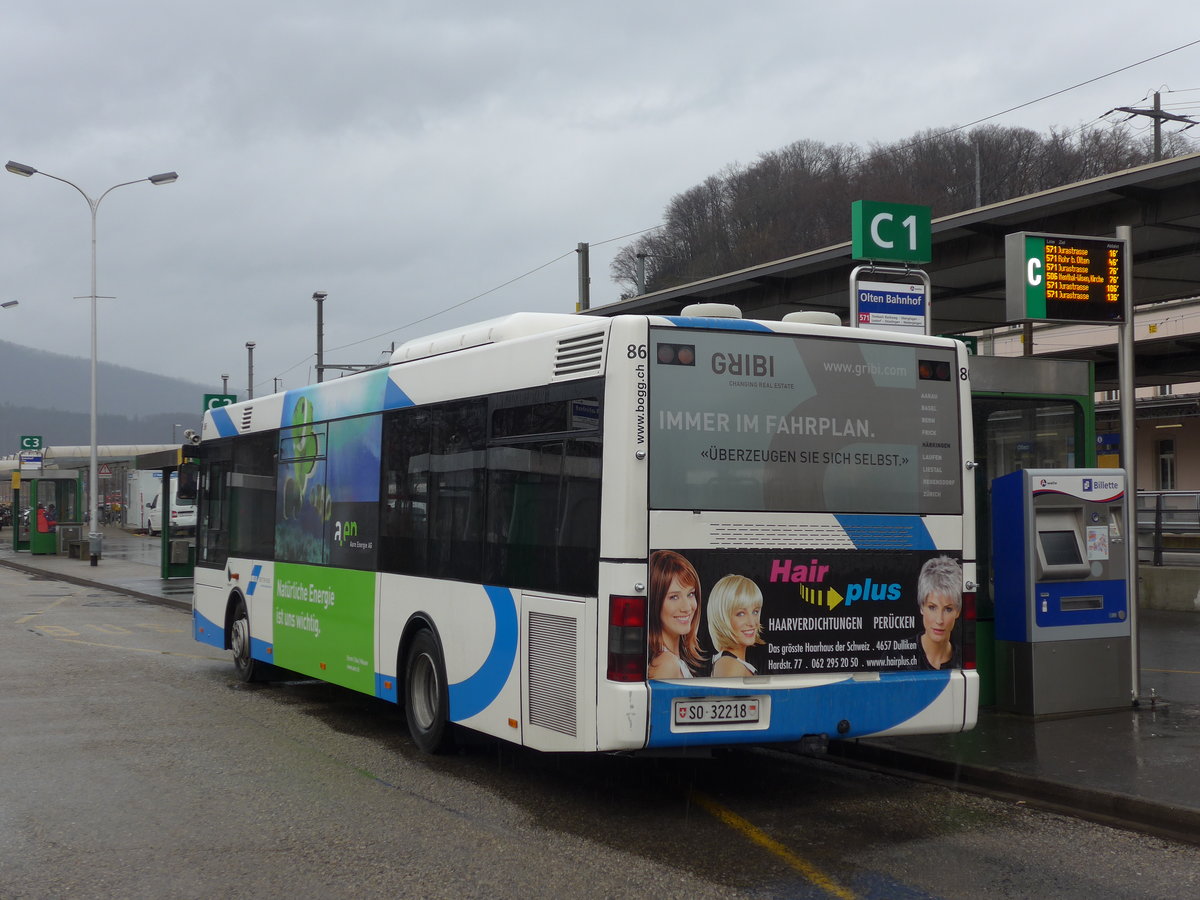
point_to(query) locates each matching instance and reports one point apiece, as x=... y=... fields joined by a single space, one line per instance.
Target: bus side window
x=544 y=506
x=404 y=530
x=456 y=490
x=187 y=482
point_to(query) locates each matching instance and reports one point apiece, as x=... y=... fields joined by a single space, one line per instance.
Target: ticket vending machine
x=1061 y=591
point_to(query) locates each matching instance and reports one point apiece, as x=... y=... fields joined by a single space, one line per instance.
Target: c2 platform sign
x=891 y=232
x=213 y=401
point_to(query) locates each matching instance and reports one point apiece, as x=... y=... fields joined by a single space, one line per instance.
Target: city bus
x=641 y=533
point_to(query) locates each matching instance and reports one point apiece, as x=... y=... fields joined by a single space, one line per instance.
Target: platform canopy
x=1160 y=202
x=77 y=456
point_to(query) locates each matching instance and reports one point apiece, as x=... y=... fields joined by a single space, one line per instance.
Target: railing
x=1168 y=521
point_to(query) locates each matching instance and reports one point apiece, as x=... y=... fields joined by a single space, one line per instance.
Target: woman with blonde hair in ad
x=734 y=624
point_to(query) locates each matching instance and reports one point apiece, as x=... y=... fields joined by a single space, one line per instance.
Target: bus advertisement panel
x=763 y=612
x=864 y=439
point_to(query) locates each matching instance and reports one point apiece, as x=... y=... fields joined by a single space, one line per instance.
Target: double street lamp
x=93 y=474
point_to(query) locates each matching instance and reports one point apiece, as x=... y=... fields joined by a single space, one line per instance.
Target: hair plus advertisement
x=731 y=613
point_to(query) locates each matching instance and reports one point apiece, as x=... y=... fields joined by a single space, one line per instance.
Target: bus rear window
x=764 y=421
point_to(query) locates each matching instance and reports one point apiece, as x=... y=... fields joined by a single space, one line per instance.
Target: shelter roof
x=1160 y=202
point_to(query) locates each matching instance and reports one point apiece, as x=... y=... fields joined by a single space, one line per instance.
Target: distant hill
x=50 y=394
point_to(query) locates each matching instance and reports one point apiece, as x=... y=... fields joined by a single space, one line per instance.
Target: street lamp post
x=250 y=370
x=320 y=296
x=16 y=168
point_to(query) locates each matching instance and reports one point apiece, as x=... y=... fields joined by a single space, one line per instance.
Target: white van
x=183 y=512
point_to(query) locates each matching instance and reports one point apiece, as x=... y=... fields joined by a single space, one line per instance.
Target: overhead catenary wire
x=479 y=296
x=462 y=303
x=1052 y=94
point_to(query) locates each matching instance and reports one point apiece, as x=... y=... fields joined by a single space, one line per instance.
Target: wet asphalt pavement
x=1138 y=767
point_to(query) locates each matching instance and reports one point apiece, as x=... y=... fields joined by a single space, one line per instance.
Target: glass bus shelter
x=48 y=512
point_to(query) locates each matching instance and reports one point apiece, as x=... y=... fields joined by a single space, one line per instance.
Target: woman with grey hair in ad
x=939 y=597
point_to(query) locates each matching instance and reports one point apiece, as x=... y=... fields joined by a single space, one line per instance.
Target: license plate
x=717 y=711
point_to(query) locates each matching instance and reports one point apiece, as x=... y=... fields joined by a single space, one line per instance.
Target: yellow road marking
x=764 y=840
x=1173 y=671
x=142 y=650
x=24 y=619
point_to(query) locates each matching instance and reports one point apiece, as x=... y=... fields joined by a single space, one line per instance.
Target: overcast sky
x=414 y=158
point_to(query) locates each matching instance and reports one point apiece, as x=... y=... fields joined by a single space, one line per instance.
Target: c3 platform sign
x=1064 y=278
x=891 y=232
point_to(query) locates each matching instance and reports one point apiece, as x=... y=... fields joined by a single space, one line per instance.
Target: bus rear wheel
x=426 y=705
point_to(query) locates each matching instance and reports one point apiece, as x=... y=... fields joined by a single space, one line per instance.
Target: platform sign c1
x=891 y=232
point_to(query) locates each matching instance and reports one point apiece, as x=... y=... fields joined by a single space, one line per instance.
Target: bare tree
x=798 y=198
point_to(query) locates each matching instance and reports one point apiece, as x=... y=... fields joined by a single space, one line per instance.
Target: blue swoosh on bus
x=474 y=694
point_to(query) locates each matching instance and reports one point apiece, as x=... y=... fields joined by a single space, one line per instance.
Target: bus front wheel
x=426 y=704
x=248 y=668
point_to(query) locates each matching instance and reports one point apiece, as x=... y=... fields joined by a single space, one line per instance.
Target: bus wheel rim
x=425 y=691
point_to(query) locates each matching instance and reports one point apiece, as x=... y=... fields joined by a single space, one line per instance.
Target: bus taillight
x=968 y=654
x=626 y=638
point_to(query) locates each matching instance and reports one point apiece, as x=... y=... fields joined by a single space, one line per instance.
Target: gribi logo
x=754 y=365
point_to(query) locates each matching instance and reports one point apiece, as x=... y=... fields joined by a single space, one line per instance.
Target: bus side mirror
x=186 y=486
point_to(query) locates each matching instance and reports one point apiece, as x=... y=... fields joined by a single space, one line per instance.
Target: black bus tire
x=426 y=701
x=247 y=667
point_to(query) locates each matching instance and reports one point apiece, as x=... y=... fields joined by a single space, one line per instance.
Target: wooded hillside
x=798 y=198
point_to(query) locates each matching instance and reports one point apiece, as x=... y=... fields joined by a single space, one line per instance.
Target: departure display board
x=1065 y=278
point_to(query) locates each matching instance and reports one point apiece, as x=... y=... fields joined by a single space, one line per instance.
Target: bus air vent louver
x=578 y=355
x=552 y=665
x=247 y=417
x=825 y=537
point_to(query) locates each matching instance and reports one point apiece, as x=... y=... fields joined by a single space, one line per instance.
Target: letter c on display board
x=1033 y=272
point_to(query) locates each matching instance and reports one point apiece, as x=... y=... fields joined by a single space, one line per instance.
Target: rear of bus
x=809 y=546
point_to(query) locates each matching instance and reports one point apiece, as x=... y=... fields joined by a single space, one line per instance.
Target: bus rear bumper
x=794 y=709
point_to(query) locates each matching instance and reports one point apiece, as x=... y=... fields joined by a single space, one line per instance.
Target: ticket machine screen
x=1060 y=548
x=1060 y=544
